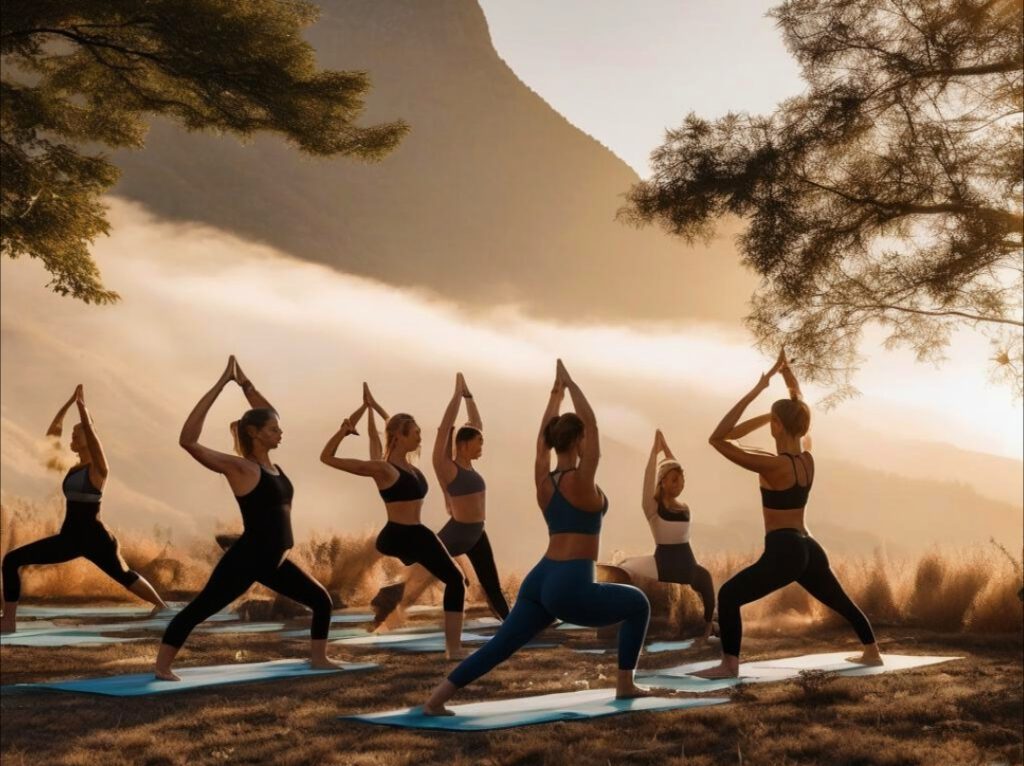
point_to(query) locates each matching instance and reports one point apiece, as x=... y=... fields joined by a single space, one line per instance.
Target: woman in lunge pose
x=790 y=553
x=562 y=585
x=402 y=487
x=260 y=555
x=82 y=534
x=673 y=560
x=465 y=499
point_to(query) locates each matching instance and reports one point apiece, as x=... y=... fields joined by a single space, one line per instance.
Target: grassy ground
x=964 y=712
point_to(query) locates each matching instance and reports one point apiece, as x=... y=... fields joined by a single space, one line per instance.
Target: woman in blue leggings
x=562 y=585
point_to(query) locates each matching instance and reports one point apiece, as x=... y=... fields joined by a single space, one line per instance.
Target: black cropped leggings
x=470 y=539
x=245 y=563
x=789 y=556
x=415 y=544
x=91 y=541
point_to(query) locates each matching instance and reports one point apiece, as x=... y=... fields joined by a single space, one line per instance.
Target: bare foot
x=724 y=670
x=870 y=656
x=635 y=692
x=436 y=710
x=325 y=663
x=165 y=674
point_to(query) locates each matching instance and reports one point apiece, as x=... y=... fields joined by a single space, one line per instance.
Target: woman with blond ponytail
x=673 y=560
x=402 y=487
x=260 y=555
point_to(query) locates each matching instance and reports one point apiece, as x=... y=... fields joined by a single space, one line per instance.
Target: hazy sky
x=623 y=72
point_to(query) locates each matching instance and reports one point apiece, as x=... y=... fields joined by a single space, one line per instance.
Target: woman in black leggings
x=82 y=535
x=260 y=555
x=402 y=487
x=465 y=499
x=790 y=553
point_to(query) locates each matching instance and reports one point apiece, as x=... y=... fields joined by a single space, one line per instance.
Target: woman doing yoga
x=82 y=534
x=260 y=555
x=669 y=519
x=790 y=553
x=402 y=487
x=465 y=499
x=562 y=585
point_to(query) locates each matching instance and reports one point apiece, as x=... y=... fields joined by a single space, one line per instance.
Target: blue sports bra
x=408 y=486
x=562 y=516
x=790 y=499
x=466 y=482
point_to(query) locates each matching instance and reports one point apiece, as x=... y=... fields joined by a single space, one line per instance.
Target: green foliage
x=88 y=73
x=890 y=192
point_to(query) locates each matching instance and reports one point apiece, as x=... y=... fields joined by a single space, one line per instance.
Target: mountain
x=494 y=197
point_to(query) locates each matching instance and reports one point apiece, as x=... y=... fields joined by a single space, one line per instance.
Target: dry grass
x=963 y=712
x=973 y=590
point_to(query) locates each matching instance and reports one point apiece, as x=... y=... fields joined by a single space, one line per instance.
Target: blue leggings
x=565 y=590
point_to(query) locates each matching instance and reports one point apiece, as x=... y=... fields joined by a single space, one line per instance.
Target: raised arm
x=371 y=406
x=471 y=410
x=442 y=455
x=789 y=377
x=98 y=468
x=542 y=463
x=749 y=426
x=719 y=439
x=375 y=468
x=648 y=503
x=57 y=426
x=255 y=398
x=221 y=462
x=592 y=443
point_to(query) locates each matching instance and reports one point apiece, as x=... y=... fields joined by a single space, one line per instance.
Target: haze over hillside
x=301 y=333
x=493 y=197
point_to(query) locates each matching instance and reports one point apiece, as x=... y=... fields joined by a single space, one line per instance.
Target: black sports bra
x=409 y=486
x=792 y=498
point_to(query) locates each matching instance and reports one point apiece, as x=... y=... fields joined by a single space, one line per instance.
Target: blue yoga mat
x=141 y=684
x=94 y=612
x=61 y=638
x=524 y=711
x=243 y=627
x=571 y=626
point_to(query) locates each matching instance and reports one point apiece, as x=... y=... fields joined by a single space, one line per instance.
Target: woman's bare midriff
x=790 y=519
x=573 y=545
x=469 y=509
x=405 y=511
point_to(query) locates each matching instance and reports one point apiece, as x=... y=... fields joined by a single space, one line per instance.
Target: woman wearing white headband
x=673 y=560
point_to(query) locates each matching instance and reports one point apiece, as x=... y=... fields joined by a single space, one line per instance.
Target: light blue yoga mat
x=141 y=684
x=524 y=711
x=668 y=646
x=570 y=626
x=835 y=662
x=397 y=640
x=93 y=612
x=61 y=638
x=331 y=636
x=243 y=627
x=352 y=617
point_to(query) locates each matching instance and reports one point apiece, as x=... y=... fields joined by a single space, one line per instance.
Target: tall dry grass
x=975 y=590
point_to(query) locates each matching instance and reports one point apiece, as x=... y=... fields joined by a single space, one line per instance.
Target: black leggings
x=415 y=544
x=245 y=563
x=91 y=541
x=789 y=556
x=460 y=538
x=676 y=563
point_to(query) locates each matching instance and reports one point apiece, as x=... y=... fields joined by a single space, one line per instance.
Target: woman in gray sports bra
x=464 y=498
x=83 y=534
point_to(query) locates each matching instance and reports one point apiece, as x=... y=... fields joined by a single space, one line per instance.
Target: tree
x=88 y=73
x=890 y=192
